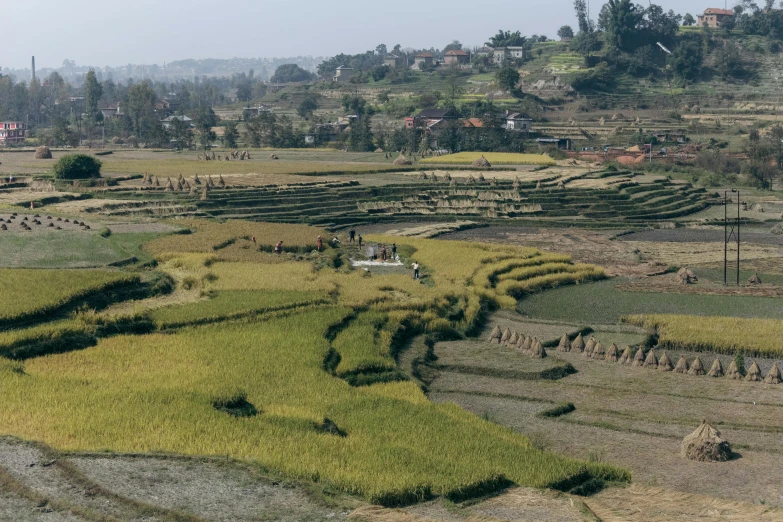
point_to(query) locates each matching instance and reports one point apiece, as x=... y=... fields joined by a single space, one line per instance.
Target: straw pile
x=434 y=177
x=196 y=180
x=513 y=340
x=612 y=353
x=716 y=370
x=734 y=372
x=221 y=181
x=590 y=347
x=754 y=280
x=773 y=377
x=578 y=344
x=527 y=347
x=178 y=186
x=686 y=276
x=43 y=152
x=697 y=368
x=169 y=186
x=682 y=365
x=561 y=185
x=447 y=177
x=599 y=352
x=204 y=193
x=538 y=186
x=651 y=361
x=706 y=445
x=565 y=344
x=521 y=342
x=664 y=363
x=638 y=359
x=506 y=336
x=517 y=183
x=496 y=334
x=481 y=178
x=402 y=160
x=210 y=183
x=481 y=162
x=538 y=350
x=754 y=373
x=423 y=175
x=627 y=356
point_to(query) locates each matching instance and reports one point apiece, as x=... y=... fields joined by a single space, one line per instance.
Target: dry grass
x=495 y=158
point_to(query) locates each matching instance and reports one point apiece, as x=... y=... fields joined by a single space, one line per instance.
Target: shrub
x=77 y=166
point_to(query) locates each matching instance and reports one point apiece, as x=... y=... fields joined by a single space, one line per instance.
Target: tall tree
x=141 y=106
x=230 y=135
x=507 y=78
x=92 y=95
x=565 y=32
x=205 y=120
x=580 y=7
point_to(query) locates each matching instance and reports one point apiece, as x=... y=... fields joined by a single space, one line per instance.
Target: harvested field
x=700 y=235
x=495 y=158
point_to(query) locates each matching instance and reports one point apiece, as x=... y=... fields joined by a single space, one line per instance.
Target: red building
x=12 y=132
x=713 y=17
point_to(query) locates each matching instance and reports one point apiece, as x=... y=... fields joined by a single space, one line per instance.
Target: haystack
x=706 y=445
x=664 y=363
x=481 y=162
x=423 y=175
x=481 y=178
x=612 y=353
x=697 y=368
x=538 y=350
x=196 y=180
x=638 y=359
x=717 y=369
x=43 y=152
x=527 y=347
x=755 y=279
x=471 y=179
x=599 y=352
x=754 y=373
x=513 y=340
x=538 y=186
x=589 y=347
x=773 y=377
x=447 y=177
x=221 y=181
x=578 y=344
x=178 y=186
x=651 y=361
x=682 y=365
x=521 y=342
x=204 y=193
x=506 y=336
x=777 y=229
x=157 y=182
x=186 y=186
x=565 y=344
x=377 y=151
x=733 y=372
x=434 y=177
x=402 y=160
x=169 y=185
x=496 y=334
x=627 y=356
x=516 y=183
x=210 y=183
x=561 y=185
x=758 y=208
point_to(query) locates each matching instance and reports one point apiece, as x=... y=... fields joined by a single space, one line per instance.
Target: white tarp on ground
x=390 y=264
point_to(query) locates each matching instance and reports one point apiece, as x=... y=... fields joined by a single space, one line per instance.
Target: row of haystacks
x=596 y=350
x=527 y=345
x=181 y=184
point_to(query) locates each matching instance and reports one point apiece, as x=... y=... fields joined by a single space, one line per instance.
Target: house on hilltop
x=343 y=74
x=393 y=61
x=456 y=57
x=516 y=122
x=714 y=17
x=422 y=60
x=501 y=54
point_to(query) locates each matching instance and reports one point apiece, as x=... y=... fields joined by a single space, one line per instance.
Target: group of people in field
x=386 y=253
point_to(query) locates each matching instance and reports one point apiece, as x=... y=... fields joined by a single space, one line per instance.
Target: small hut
x=578 y=344
x=697 y=368
x=716 y=370
x=627 y=356
x=481 y=162
x=665 y=363
x=496 y=334
x=565 y=344
x=706 y=445
x=733 y=371
x=773 y=377
x=638 y=359
x=754 y=373
x=612 y=353
x=599 y=352
x=651 y=361
x=682 y=365
x=589 y=347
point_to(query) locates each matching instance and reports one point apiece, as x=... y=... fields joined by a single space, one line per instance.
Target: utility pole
x=730 y=233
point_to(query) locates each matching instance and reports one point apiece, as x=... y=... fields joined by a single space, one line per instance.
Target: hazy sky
x=110 y=32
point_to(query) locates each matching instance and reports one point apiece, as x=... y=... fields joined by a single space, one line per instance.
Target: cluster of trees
x=755 y=20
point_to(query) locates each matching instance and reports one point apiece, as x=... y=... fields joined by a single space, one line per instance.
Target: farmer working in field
x=415 y=270
x=352 y=235
x=279 y=248
x=320 y=244
x=360 y=240
x=383 y=253
x=394 y=251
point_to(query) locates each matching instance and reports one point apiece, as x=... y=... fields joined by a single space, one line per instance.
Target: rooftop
x=456 y=52
x=718 y=11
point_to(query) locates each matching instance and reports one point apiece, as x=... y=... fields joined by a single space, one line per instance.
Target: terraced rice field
x=494 y=158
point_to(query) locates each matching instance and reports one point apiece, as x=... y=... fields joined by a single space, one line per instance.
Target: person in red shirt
x=320 y=244
x=279 y=248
